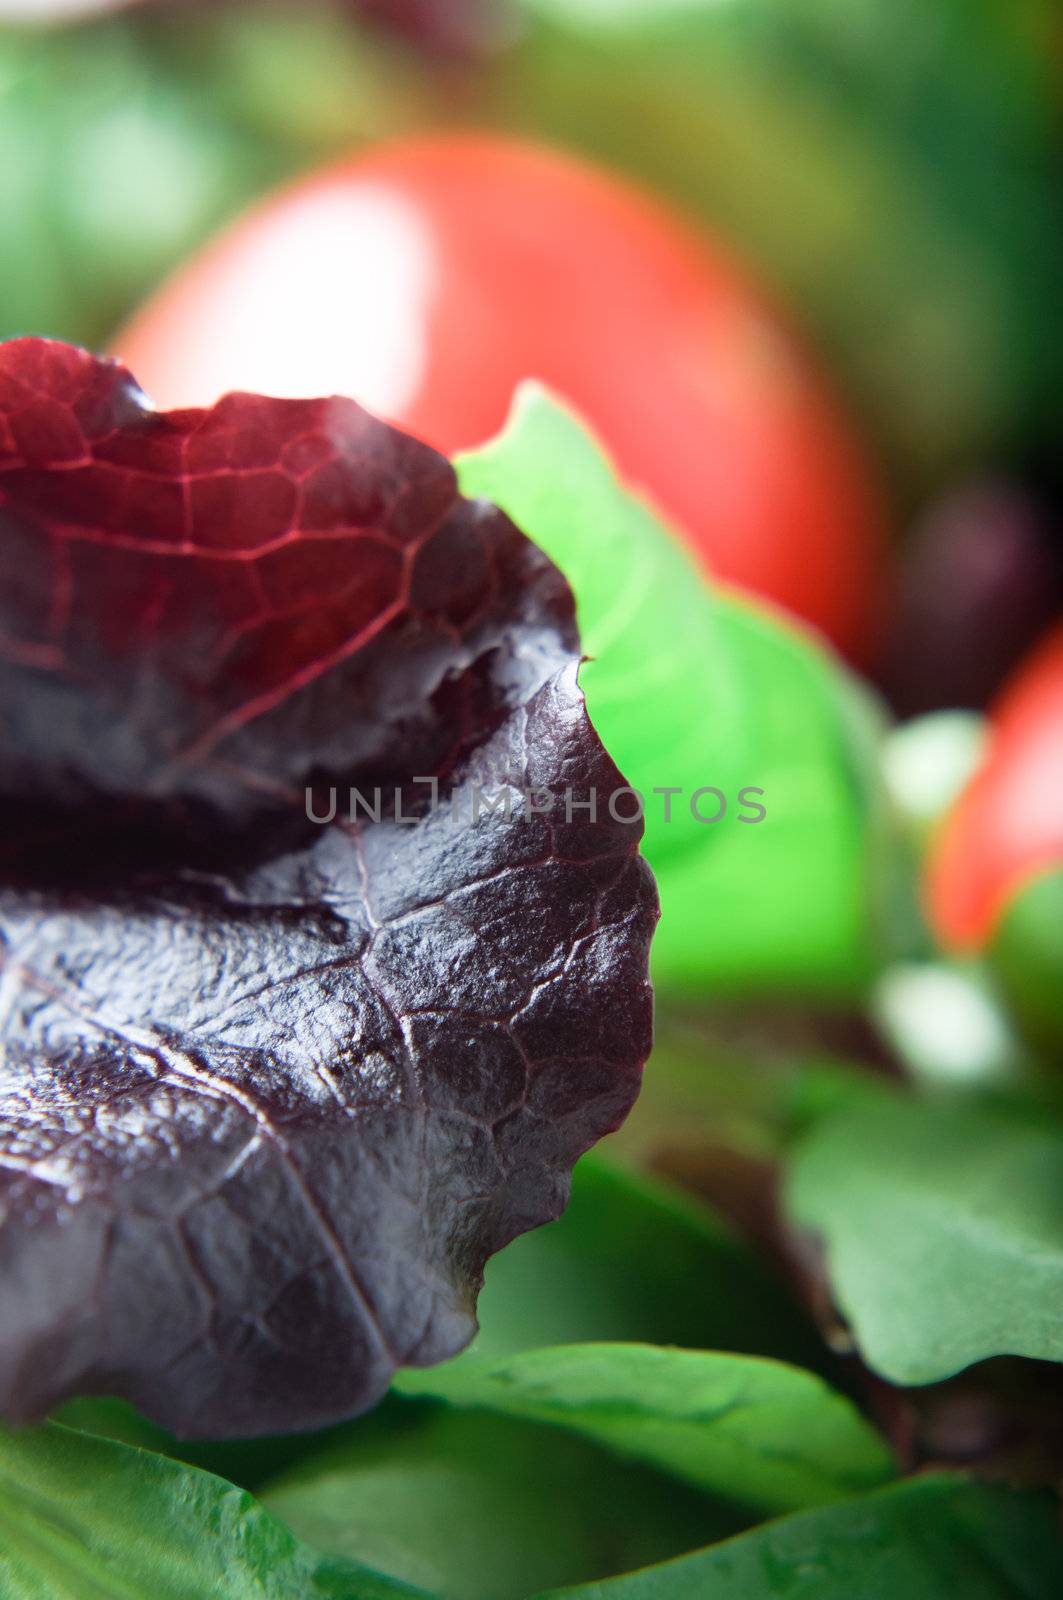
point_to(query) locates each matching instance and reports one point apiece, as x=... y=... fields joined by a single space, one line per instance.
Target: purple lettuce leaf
x=271 y=1091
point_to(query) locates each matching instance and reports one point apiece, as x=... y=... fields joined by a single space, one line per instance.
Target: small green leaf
x=83 y=1518
x=943 y=1224
x=930 y=1538
x=693 y=689
x=479 y=1507
x=757 y=1431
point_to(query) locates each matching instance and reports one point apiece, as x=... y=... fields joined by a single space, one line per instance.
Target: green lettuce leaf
x=694 y=688
x=83 y=1518
x=768 y=1435
x=933 y=1538
x=632 y=1258
x=479 y=1507
x=943 y=1227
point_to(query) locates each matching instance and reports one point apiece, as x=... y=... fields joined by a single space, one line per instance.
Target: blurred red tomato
x=428 y=278
x=1007 y=826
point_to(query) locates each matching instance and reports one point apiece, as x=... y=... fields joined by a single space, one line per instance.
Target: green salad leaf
x=933 y=1538
x=757 y=1431
x=84 y=1518
x=479 y=1507
x=693 y=689
x=943 y=1227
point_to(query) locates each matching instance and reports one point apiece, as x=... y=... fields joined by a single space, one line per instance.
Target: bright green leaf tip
x=694 y=688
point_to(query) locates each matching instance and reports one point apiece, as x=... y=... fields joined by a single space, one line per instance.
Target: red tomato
x=1007 y=825
x=428 y=278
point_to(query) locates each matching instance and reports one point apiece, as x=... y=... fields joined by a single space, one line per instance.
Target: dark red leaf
x=456 y=29
x=273 y=1091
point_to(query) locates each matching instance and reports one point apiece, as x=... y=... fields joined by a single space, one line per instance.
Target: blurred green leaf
x=112 y=169
x=768 y=1435
x=129 y=140
x=477 y=1507
x=83 y=1518
x=943 y=1226
x=694 y=689
x=1026 y=959
x=890 y=166
x=700 y=1091
x=933 y=1538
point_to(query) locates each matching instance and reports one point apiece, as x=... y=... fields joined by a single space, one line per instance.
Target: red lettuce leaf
x=272 y=1091
x=464 y=29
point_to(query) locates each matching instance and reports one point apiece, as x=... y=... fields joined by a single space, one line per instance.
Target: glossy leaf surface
x=273 y=1090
